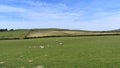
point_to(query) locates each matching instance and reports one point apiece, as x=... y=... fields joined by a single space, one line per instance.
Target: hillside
x=66 y=32
x=16 y=34
x=51 y=32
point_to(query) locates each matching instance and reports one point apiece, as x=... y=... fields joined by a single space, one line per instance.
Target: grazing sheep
x=42 y=47
x=61 y=43
x=2 y=62
x=30 y=61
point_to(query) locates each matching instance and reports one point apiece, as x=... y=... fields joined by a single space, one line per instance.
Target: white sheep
x=42 y=47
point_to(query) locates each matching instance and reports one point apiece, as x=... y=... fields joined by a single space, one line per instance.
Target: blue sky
x=68 y=14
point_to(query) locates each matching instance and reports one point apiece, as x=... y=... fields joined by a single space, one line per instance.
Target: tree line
x=6 y=30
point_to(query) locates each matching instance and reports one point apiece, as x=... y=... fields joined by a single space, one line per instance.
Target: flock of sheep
x=59 y=43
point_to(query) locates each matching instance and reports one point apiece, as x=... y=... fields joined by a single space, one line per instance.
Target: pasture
x=16 y=34
x=64 y=52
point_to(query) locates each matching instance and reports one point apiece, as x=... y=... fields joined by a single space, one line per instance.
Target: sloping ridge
x=52 y=32
x=55 y=33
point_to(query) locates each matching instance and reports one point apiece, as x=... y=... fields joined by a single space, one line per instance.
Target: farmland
x=17 y=34
x=51 y=32
x=74 y=52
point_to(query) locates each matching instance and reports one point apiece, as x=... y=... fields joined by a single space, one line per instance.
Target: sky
x=65 y=14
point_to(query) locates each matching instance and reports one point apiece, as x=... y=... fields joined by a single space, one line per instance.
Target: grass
x=75 y=52
x=17 y=34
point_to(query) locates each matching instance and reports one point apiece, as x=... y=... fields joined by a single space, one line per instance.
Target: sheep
x=61 y=43
x=42 y=47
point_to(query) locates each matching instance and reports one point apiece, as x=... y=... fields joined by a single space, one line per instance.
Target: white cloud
x=41 y=18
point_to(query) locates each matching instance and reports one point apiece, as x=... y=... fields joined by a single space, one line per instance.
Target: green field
x=17 y=34
x=64 y=52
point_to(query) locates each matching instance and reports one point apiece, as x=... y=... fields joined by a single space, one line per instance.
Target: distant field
x=65 y=52
x=41 y=33
x=17 y=34
x=65 y=33
x=54 y=33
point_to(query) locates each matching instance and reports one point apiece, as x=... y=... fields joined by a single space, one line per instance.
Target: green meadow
x=16 y=34
x=61 y=52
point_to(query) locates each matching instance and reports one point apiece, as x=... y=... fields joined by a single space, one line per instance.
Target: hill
x=16 y=34
x=51 y=32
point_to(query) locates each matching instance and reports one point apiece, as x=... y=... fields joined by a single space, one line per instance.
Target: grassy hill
x=16 y=34
x=66 y=33
x=51 y=32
